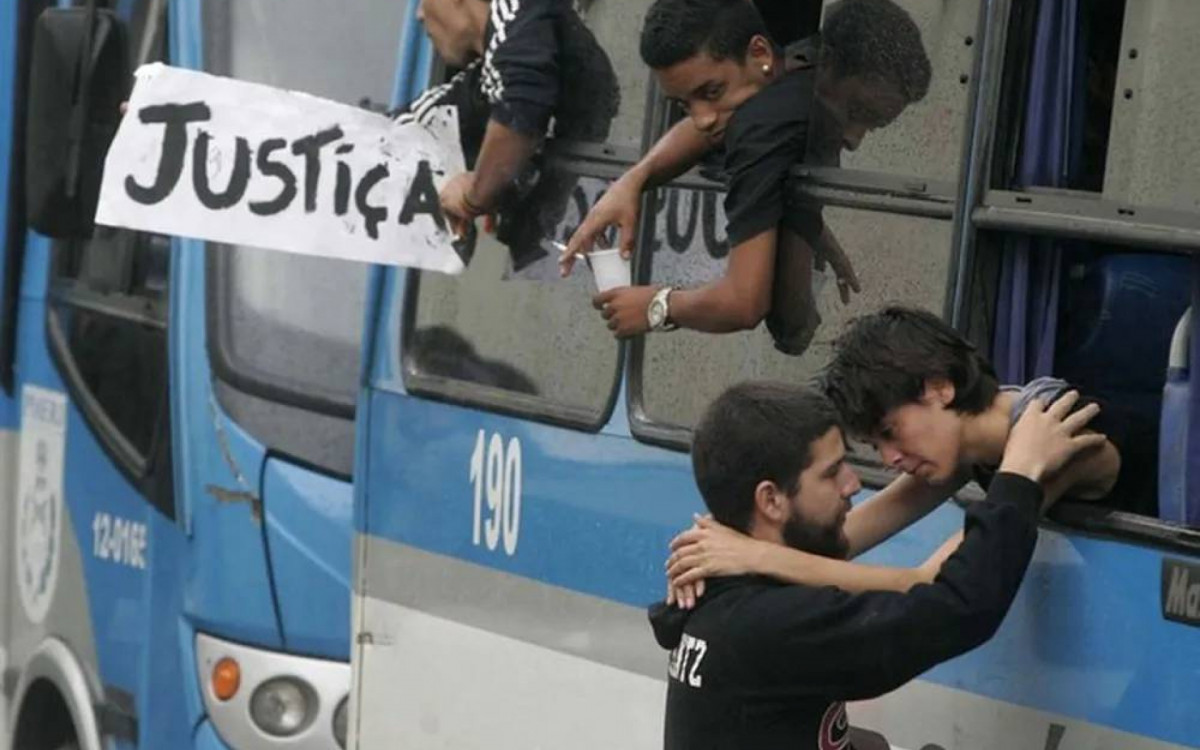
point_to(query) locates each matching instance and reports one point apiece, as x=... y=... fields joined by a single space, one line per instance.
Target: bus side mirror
x=79 y=75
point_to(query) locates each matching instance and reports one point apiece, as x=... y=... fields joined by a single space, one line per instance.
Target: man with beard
x=760 y=664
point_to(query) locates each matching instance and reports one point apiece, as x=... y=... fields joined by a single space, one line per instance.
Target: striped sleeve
x=521 y=63
x=446 y=94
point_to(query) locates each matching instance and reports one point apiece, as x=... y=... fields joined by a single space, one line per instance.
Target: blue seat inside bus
x=1118 y=314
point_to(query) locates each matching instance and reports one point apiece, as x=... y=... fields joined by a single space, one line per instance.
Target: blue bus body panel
x=165 y=717
x=309 y=523
x=8 y=73
x=207 y=739
x=1085 y=639
x=229 y=583
x=133 y=610
x=218 y=465
x=122 y=613
x=8 y=65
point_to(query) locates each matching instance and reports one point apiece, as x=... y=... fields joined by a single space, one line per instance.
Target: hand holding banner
x=241 y=163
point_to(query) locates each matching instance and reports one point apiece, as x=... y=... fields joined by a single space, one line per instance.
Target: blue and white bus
x=179 y=425
x=177 y=431
x=519 y=473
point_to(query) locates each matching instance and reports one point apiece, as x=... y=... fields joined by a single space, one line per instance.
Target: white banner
x=241 y=163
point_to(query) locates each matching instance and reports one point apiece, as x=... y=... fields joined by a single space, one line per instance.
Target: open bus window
x=287 y=329
x=534 y=346
x=898 y=258
x=1096 y=101
x=1108 y=105
x=1102 y=318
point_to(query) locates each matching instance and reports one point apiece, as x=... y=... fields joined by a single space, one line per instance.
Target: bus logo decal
x=1181 y=592
x=39 y=498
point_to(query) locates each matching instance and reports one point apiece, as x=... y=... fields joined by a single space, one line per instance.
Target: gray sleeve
x=1047 y=389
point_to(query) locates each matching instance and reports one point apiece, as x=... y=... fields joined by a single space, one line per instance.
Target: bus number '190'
x=496 y=476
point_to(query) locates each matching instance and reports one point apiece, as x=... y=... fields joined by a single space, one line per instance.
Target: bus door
x=267 y=357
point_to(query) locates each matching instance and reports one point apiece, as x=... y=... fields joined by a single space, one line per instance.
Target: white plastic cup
x=609 y=269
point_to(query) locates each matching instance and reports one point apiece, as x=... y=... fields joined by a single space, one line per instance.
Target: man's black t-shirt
x=765 y=137
x=763 y=665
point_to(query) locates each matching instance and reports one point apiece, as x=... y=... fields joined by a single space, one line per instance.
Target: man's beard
x=827 y=541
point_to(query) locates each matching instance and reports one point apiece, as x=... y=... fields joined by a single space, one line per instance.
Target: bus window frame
x=1076 y=218
x=150 y=472
x=581 y=159
x=243 y=376
x=254 y=397
x=489 y=398
x=1064 y=214
x=16 y=231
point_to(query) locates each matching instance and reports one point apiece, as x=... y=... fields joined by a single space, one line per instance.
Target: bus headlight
x=283 y=706
x=277 y=700
x=341 y=722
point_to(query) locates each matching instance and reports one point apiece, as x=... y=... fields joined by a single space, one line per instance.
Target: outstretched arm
x=737 y=301
x=709 y=549
x=677 y=151
x=504 y=153
x=904 y=501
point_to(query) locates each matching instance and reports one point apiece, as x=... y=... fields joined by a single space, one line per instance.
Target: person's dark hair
x=883 y=360
x=876 y=38
x=675 y=30
x=751 y=433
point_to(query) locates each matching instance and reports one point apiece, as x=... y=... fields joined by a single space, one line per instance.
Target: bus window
x=617 y=26
x=1078 y=137
x=913 y=122
x=108 y=332
x=899 y=259
x=1126 y=104
x=519 y=339
x=288 y=328
x=1154 y=153
x=107 y=323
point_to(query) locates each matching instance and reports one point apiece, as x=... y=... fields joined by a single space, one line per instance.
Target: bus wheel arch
x=54 y=683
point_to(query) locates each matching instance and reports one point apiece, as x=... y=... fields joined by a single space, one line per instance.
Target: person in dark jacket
x=760 y=665
x=517 y=60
